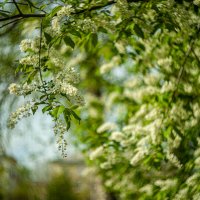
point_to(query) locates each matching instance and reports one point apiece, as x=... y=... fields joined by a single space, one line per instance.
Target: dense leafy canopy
x=137 y=65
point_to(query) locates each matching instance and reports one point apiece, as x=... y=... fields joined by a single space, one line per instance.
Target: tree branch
x=22 y=16
x=104 y=5
x=5 y=11
x=20 y=12
x=14 y=21
x=77 y=12
x=24 y=4
x=39 y=61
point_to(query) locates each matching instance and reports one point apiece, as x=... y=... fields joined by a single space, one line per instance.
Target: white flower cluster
x=117 y=136
x=96 y=153
x=107 y=67
x=174 y=160
x=14 y=89
x=168 y=87
x=107 y=126
x=24 y=89
x=65 y=84
x=55 y=24
x=21 y=112
x=68 y=89
x=65 y=11
x=60 y=129
x=30 y=60
x=166 y=184
x=196 y=2
x=29 y=44
x=87 y=25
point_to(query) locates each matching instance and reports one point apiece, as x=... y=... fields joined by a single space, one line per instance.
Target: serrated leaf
x=69 y=42
x=138 y=31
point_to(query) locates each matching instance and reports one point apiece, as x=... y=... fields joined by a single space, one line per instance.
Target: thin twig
x=8 y=29
x=96 y=7
x=20 y=12
x=5 y=11
x=22 y=16
x=39 y=60
x=76 y=12
x=14 y=21
x=196 y=56
x=182 y=69
x=24 y=4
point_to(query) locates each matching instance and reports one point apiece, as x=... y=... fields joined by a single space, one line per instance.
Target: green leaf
x=94 y=39
x=69 y=42
x=30 y=3
x=46 y=108
x=75 y=33
x=67 y=118
x=60 y=110
x=75 y=115
x=55 y=10
x=138 y=31
x=74 y=107
x=47 y=37
x=34 y=109
x=54 y=112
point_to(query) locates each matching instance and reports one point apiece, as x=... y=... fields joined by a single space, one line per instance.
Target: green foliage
x=60 y=188
x=139 y=69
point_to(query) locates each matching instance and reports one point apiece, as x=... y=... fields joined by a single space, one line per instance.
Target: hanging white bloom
x=193 y=180
x=138 y=156
x=167 y=87
x=147 y=189
x=105 y=165
x=96 y=153
x=166 y=184
x=107 y=126
x=21 y=112
x=56 y=24
x=181 y=194
x=174 y=160
x=120 y=46
x=117 y=136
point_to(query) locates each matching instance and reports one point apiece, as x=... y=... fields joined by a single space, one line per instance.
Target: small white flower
x=14 y=88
